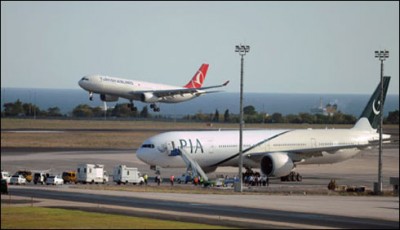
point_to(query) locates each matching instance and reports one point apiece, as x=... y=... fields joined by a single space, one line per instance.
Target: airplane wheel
x=299 y=177
x=292 y=177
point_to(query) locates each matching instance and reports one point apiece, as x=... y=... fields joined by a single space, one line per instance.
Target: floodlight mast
x=242 y=50
x=381 y=55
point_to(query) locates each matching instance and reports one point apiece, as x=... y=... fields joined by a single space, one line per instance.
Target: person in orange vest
x=196 y=180
x=171 y=179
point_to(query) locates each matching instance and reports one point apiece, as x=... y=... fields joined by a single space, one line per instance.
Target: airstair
x=191 y=165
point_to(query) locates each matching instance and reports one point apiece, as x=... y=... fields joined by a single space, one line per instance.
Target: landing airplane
x=111 y=88
x=275 y=152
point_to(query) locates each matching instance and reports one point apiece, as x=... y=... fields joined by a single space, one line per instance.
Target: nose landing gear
x=132 y=106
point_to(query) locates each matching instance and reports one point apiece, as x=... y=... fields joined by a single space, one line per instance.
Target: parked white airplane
x=276 y=152
x=111 y=88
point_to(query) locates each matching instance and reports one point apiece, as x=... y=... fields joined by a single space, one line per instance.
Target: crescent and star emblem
x=199 y=77
x=376 y=111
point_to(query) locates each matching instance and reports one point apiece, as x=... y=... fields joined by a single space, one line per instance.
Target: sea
x=67 y=99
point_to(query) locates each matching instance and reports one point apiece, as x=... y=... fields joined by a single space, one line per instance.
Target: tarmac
x=308 y=197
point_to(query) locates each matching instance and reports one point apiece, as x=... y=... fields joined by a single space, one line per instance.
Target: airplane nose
x=84 y=82
x=139 y=154
x=81 y=83
x=146 y=153
x=142 y=155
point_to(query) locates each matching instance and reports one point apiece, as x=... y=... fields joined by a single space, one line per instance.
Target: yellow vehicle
x=69 y=177
x=27 y=174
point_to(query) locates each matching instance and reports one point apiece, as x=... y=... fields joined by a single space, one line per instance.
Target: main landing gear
x=91 y=96
x=293 y=176
x=155 y=107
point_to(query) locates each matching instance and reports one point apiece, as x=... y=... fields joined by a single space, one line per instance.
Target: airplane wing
x=298 y=155
x=181 y=91
x=215 y=86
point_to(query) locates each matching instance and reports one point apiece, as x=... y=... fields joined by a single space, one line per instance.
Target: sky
x=295 y=47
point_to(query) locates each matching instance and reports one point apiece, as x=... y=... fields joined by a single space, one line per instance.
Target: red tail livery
x=198 y=78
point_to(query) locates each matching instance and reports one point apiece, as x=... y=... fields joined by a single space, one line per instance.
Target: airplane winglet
x=226 y=83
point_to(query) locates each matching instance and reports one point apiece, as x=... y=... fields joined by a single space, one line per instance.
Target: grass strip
x=55 y=218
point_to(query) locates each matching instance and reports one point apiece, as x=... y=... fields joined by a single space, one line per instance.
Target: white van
x=54 y=180
x=92 y=173
x=6 y=176
x=125 y=175
x=18 y=179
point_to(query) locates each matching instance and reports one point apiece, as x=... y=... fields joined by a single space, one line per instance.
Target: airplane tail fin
x=375 y=104
x=198 y=78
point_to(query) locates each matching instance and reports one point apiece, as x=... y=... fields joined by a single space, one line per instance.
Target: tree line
x=20 y=109
x=250 y=115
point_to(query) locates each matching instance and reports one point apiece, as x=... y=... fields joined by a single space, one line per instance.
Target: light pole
x=34 y=105
x=242 y=50
x=382 y=55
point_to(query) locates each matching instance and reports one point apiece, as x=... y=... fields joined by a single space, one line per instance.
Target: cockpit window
x=85 y=79
x=149 y=146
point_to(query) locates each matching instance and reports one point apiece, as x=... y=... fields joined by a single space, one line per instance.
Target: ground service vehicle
x=40 y=177
x=18 y=179
x=69 y=177
x=185 y=178
x=125 y=175
x=6 y=176
x=54 y=180
x=27 y=175
x=92 y=173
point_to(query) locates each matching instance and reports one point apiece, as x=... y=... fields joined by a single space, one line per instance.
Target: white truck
x=6 y=176
x=91 y=173
x=125 y=175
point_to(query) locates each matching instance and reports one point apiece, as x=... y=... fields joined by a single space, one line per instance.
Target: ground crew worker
x=145 y=177
x=264 y=180
x=158 y=179
x=171 y=179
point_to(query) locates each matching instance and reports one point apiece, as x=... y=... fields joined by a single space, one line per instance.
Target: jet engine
x=108 y=98
x=149 y=98
x=276 y=164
